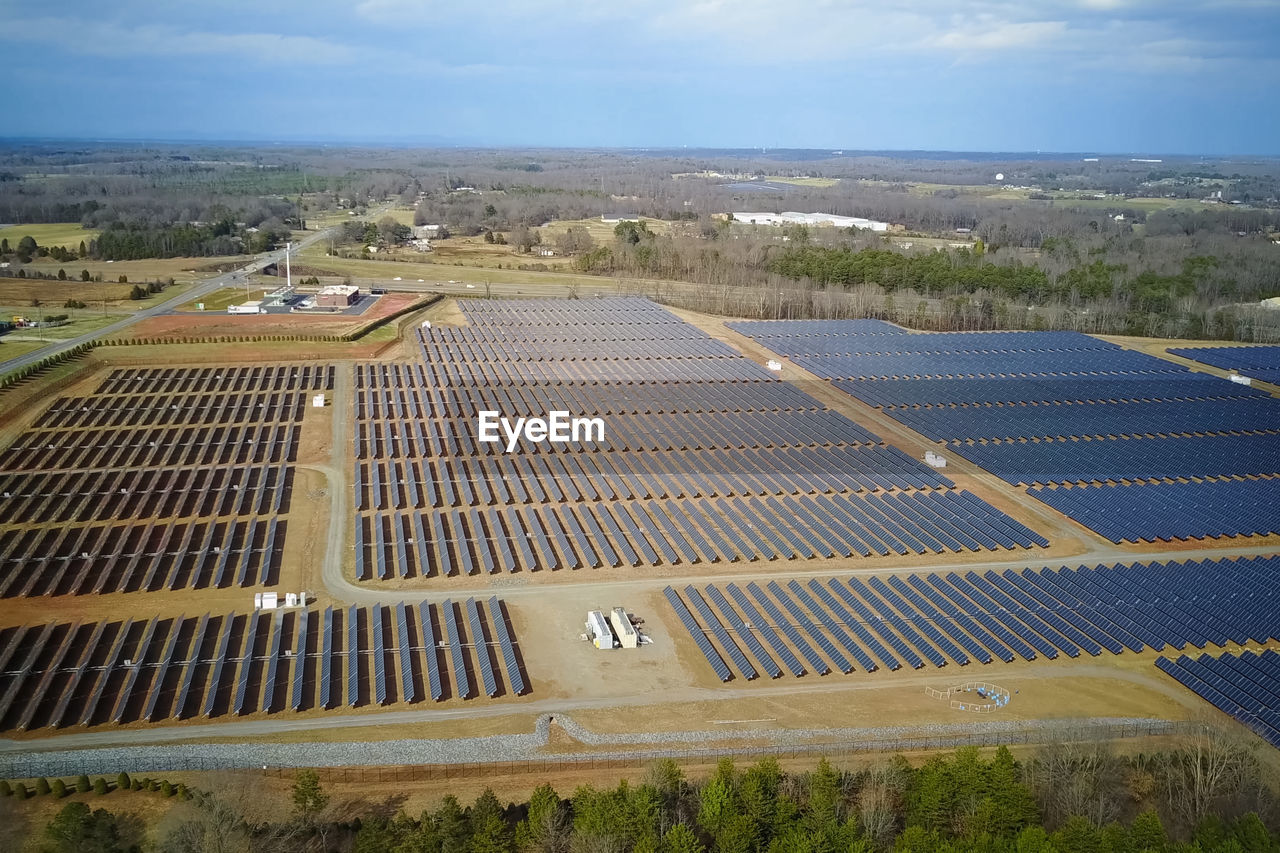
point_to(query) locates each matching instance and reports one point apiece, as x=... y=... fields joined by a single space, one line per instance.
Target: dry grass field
x=69 y=235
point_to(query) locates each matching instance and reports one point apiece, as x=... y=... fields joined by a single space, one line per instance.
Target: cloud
x=1001 y=35
x=150 y=40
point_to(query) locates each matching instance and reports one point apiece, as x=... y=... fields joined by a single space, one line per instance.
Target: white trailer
x=598 y=630
x=627 y=634
x=247 y=308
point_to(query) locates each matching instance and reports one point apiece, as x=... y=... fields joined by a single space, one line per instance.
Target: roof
x=338 y=290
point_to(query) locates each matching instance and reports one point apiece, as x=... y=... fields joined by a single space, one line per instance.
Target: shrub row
x=82 y=785
x=43 y=364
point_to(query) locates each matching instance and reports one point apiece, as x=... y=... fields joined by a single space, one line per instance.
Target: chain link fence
x=165 y=759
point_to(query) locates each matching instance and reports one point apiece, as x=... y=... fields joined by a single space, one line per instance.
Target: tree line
x=1208 y=795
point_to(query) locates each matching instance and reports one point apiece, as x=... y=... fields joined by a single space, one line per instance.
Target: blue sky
x=1135 y=76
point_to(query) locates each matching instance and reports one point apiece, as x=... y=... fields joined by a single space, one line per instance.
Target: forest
x=1187 y=247
x=1209 y=795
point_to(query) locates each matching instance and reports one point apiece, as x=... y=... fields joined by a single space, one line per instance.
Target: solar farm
x=776 y=533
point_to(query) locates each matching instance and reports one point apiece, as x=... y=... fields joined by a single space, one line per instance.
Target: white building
x=820 y=219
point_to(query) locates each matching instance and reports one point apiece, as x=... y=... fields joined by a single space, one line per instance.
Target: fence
x=153 y=759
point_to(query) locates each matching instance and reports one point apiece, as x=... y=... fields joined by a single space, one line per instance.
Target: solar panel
x=299 y=661
x=514 y=676
x=754 y=620
x=327 y=700
x=353 y=656
x=739 y=659
x=704 y=645
x=37 y=693
x=431 y=651
x=379 y=656
x=819 y=665
x=60 y=712
x=246 y=661
x=219 y=661
x=156 y=681
x=408 y=691
x=474 y=620
x=460 y=675
x=858 y=627
x=832 y=626
x=273 y=659
x=842 y=663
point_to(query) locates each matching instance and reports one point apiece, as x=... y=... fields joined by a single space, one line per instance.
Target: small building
x=598 y=630
x=627 y=634
x=337 y=296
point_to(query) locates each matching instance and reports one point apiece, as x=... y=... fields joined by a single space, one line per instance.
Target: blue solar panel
x=353 y=656
x=431 y=651
x=744 y=632
x=458 y=657
x=475 y=624
x=514 y=676
x=299 y=661
x=842 y=663
x=327 y=700
x=704 y=645
x=273 y=659
x=735 y=654
x=754 y=620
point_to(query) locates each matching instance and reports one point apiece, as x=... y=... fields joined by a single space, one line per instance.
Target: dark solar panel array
x=1246 y=686
x=1046 y=408
x=1257 y=362
x=164 y=478
x=923 y=619
x=734 y=467
x=60 y=674
x=1153 y=512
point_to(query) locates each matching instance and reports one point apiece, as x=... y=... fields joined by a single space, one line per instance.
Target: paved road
x=204 y=288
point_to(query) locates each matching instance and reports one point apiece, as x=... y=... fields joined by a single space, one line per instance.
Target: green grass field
x=13 y=349
x=66 y=234
x=79 y=323
x=219 y=300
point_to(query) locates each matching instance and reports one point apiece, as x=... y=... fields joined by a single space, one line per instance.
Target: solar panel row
x=958 y=617
x=757 y=471
x=1246 y=686
x=1049 y=391
x=61 y=674
x=684 y=531
x=1169 y=511
x=1258 y=362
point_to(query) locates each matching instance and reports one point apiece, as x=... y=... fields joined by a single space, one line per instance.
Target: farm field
x=69 y=235
x=775 y=534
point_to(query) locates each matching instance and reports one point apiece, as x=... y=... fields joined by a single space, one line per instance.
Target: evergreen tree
x=309 y=799
x=681 y=839
x=453 y=826
x=1147 y=833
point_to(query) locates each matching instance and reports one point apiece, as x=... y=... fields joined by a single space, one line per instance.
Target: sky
x=1106 y=76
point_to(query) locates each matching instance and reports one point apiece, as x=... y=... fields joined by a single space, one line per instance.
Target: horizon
x=730 y=150
x=963 y=76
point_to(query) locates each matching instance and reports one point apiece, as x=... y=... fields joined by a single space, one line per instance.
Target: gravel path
x=531 y=747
